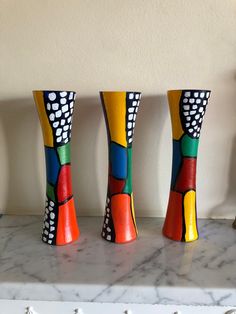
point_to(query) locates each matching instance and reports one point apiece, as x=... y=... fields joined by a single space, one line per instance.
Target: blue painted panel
x=176 y=161
x=52 y=165
x=118 y=160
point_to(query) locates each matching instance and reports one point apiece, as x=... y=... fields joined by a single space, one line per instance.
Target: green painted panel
x=128 y=184
x=189 y=146
x=50 y=192
x=64 y=154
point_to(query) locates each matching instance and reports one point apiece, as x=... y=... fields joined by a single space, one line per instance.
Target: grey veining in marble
x=150 y=270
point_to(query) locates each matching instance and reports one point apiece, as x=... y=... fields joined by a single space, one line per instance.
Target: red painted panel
x=64 y=185
x=116 y=186
x=173 y=226
x=186 y=179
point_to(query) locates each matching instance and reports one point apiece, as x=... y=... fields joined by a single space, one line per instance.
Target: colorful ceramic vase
x=55 y=110
x=187 y=109
x=120 y=111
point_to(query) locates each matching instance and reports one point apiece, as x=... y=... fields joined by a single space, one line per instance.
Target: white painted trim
x=49 y=307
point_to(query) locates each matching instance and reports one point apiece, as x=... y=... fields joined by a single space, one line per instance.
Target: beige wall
x=93 y=45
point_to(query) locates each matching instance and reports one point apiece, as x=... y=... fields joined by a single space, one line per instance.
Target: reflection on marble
x=150 y=270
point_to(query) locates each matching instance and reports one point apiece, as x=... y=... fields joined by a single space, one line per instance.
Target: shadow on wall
x=21 y=190
x=151 y=118
x=89 y=157
x=228 y=206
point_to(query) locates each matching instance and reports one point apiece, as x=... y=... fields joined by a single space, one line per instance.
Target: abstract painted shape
x=133 y=212
x=132 y=106
x=115 y=115
x=46 y=128
x=187 y=175
x=50 y=222
x=191 y=232
x=173 y=226
x=189 y=146
x=128 y=184
x=176 y=162
x=174 y=98
x=118 y=160
x=122 y=218
x=67 y=229
x=52 y=165
x=50 y=191
x=192 y=110
x=64 y=154
x=115 y=186
x=108 y=231
x=59 y=108
x=64 y=186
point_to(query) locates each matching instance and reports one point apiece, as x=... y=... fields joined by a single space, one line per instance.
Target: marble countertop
x=150 y=270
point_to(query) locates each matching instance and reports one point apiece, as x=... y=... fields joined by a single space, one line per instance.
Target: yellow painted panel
x=46 y=128
x=190 y=216
x=115 y=106
x=174 y=99
x=133 y=213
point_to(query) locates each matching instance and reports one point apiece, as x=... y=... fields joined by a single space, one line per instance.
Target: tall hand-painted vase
x=55 y=109
x=120 y=111
x=187 y=109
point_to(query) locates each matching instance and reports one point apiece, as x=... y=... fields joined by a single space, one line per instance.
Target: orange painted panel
x=125 y=230
x=67 y=228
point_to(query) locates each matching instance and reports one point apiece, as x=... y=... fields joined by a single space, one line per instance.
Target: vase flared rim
x=52 y=91
x=118 y=91
x=189 y=90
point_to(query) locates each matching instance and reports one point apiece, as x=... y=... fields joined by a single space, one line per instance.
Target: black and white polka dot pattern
x=132 y=103
x=59 y=108
x=108 y=228
x=192 y=109
x=50 y=222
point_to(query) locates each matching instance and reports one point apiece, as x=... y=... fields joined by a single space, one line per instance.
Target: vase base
x=108 y=239
x=173 y=238
x=53 y=243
